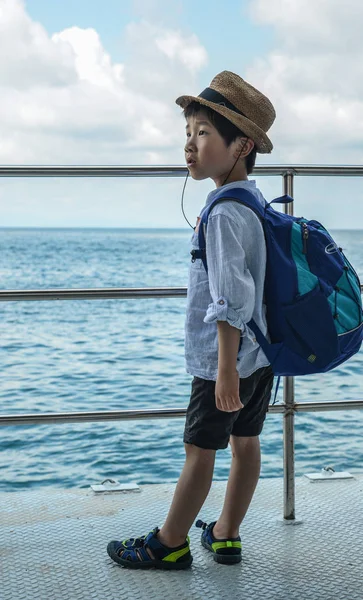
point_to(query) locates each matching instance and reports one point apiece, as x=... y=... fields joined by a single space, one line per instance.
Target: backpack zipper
x=305 y=235
x=350 y=331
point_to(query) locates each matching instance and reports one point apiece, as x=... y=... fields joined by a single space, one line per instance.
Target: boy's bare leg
x=189 y=496
x=242 y=482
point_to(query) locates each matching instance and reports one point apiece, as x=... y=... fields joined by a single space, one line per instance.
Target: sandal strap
x=204 y=526
x=218 y=543
x=157 y=548
x=142 y=553
x=159 y=551
x=130 y=542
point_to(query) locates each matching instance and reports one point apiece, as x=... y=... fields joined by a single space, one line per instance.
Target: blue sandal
x=226 y=551
x=133 y=553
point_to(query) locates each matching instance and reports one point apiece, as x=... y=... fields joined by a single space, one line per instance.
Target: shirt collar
x=247 y=184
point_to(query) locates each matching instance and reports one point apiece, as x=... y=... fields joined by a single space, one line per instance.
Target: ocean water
x=128 y=354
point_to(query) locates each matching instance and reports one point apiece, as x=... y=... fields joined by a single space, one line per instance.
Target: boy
x=231 y=389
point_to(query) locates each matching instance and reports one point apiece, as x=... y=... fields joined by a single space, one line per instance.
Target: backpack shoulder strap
x=238 y=195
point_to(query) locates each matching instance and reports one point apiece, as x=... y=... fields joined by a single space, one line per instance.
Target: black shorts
x=208 y=427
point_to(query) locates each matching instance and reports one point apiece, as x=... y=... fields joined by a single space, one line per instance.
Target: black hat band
x=217 y=98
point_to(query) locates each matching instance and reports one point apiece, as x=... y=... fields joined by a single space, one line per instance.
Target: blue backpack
x=312 y=293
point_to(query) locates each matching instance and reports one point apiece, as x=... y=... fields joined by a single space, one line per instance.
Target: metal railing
x=288 y=408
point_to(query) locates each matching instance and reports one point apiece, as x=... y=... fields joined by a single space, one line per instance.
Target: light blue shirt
x=232 y=290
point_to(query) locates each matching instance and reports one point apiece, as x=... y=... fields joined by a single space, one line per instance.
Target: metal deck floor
x=53 y=545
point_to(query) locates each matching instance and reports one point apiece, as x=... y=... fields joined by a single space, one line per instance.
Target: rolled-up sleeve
x=231 y=285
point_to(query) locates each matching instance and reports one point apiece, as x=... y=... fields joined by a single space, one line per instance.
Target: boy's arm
x=231 y=285
x=228 y=343
x=232 y=289
x=227 y=384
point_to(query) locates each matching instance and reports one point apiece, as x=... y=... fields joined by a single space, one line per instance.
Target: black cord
x=185 y=183
x=237 y=159
x=186 y=179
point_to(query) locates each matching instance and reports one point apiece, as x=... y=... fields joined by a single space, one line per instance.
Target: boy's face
x=207 y=155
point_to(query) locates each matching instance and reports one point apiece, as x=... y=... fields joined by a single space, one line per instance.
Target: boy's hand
x=227 y=391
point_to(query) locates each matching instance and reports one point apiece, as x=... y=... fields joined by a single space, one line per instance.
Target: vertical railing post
x=289 y=400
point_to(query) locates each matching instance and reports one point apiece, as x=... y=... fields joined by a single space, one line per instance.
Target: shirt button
x=220 y=301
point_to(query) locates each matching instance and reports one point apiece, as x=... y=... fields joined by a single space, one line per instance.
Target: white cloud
x=92 y=63
x=28 y=57
x=161 y=63
x=63 y=99
x=187 y=51
x=314 y=77
x=318 y=25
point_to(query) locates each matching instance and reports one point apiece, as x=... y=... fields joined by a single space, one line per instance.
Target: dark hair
x=225 y=128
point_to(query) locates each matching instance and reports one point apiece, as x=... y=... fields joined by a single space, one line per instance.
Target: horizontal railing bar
x=81 y=417
x=93 y=294
x=167 y=170
x=162 y=413
x=327 y=406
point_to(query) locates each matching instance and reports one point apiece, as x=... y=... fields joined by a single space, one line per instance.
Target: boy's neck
x=232 y=179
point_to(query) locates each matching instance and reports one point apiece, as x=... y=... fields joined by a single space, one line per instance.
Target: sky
x=94 y=83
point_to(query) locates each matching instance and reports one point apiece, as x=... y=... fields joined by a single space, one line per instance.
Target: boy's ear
x=243 y=148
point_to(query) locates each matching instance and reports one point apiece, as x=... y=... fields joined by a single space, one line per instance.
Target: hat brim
x=263 y=143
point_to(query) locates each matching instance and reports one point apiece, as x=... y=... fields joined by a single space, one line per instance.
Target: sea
x=99 y=355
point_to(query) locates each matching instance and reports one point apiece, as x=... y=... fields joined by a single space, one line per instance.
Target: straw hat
x=240 y=103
